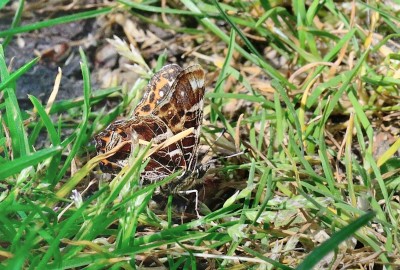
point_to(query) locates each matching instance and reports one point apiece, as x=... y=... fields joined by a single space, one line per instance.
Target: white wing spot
x=175 y=152
x=193 y=83
x=161 y=93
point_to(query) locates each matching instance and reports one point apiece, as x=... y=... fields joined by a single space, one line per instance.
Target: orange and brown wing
x=148 y=128
x=108 y=139
x=182 y=109
x=157 y=89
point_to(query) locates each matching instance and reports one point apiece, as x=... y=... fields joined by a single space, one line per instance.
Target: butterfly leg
x=196 y=202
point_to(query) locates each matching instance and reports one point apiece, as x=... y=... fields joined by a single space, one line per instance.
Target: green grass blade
x=276 y=264
x=154 y=9
x=81 y=131
x=16 y=127
x=294 y=117
x=15 y=75
x=18 y=164
x=56 y=21
x=218 y=32
x=240 y=33
x=3 y=3
x=16 y=20
x=54 y=137
x=330 y=245
x=222 y=76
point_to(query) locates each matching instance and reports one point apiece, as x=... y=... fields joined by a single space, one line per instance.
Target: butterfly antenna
x=203 y=167
x=213 y=144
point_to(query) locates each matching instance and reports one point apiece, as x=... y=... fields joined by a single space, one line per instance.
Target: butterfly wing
x=108 y=139
x=157 y=89
x=148 y=128
x=172 y=102
x=182 y=108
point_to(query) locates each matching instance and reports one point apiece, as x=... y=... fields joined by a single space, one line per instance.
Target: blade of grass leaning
x=315 y=96
x=16 y=21
x=238 y=31
x=379 y=80
x=209 y=8
x=252 y=131
x=37 y=128
x=3 y=3
x=382 y=12
x=329 y=57
x=15 y=166
x=278 y=87
x=391 y=152
x=161 y=24
x=15 y=75
x=308 y=20
x=255 y=99
x=266 y=182
x=53 y=135
x=300 y=156
x=267 y=260
x=261 y=136
x=348 y=160
x=279 y=121
x=23 y=251
x=300 y=13
x=269 y=13
x=54 y=246
x=270 y=70
x=154 y=9
x=52 y=22
x=302 y=110
x=136 y=203
x=77 y=177
x=82 y=128
x=243 y=80
x=383 y=42
x=54 y=139
x=382 y=188
x=226 y=123
x=90 y=228
x=239 y=231
x=362 y=117
x=97 y=96
x=130 y=221
x=34 y=134
x=333 y=242
x=28 y=224
x=92 y=225
x=264 y=185
x=218 y=32
x=327 y=169
x=345 y=86
x=167 y=236
x=20 y=145
x=222 y=76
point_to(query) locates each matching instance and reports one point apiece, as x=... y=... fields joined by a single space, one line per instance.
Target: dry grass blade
x=169 y=141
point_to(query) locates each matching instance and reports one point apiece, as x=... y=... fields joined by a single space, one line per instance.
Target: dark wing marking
x=182 y=109
x=157 y=89
x=148 y=128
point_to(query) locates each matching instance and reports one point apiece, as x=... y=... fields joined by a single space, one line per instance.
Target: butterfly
x=172 y=102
